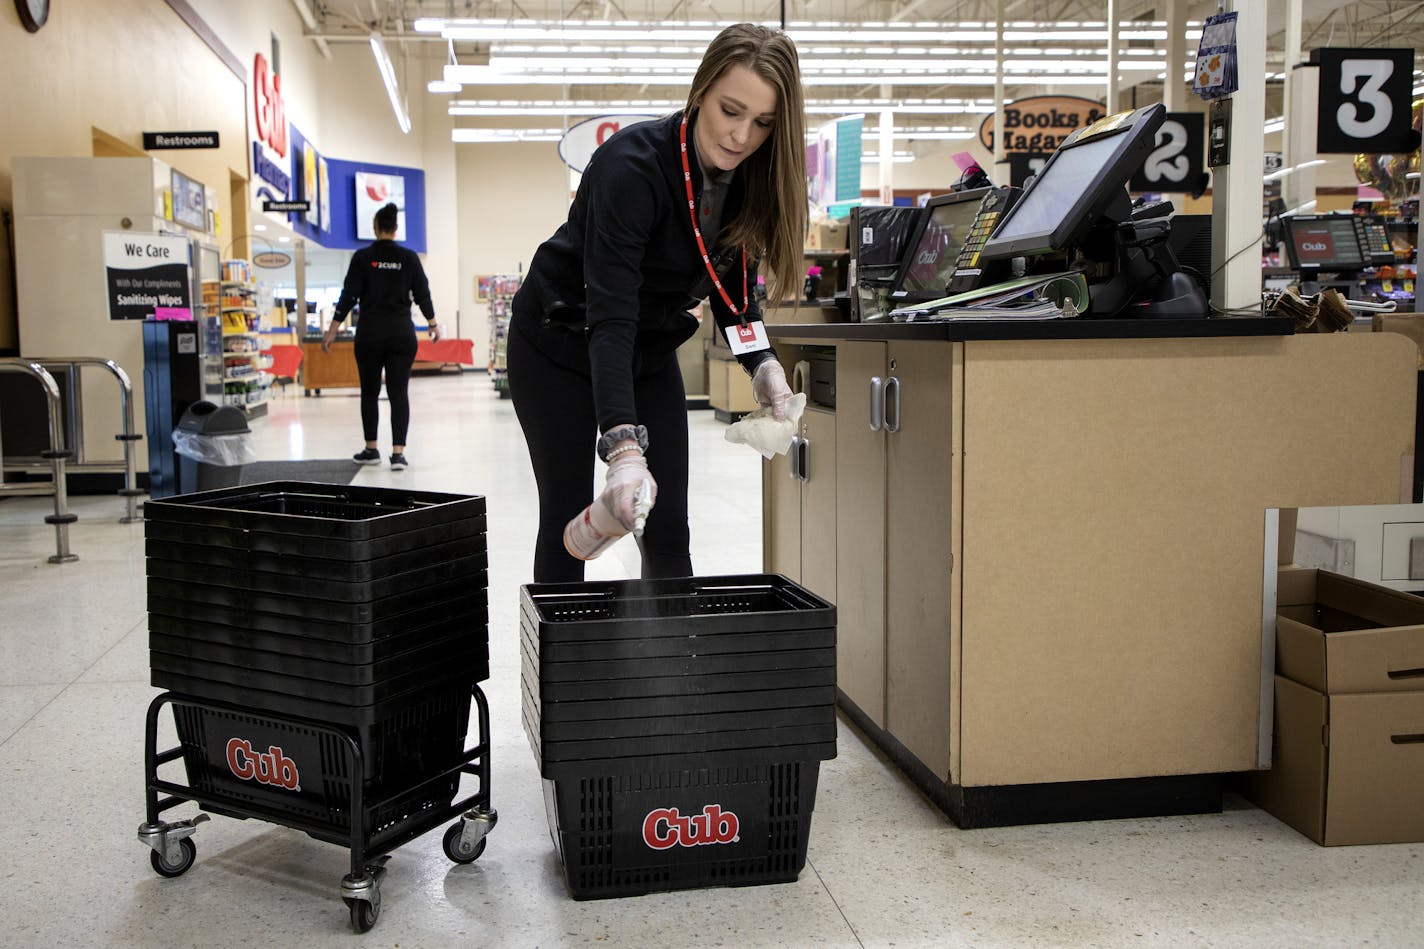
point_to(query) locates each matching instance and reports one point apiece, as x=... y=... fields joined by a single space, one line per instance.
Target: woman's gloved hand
x=769 y=387
x=622 y=497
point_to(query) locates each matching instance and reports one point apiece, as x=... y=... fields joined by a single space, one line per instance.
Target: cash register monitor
x=1083 y=183
x=1324 y=241
x=933 y=248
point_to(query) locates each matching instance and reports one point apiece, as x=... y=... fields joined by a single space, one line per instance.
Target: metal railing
x=130 y=491
x=56 y=455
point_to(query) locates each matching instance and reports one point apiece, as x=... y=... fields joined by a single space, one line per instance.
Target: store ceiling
x=957 y=93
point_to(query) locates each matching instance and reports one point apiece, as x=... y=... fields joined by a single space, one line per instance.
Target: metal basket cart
x=337 y=704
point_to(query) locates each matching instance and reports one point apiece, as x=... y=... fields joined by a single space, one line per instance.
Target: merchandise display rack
x=503 y=287
x=245 y=358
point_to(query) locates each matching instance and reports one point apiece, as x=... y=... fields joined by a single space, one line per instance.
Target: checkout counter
x=1052 y=545
x=337 y=369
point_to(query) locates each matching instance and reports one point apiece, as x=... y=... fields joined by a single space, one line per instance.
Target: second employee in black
x=384 y=278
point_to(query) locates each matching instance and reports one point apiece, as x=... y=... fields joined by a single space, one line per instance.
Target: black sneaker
x=398 y=462
x=367 y=456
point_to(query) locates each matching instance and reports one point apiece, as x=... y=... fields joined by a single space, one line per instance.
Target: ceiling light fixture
x=388 y=76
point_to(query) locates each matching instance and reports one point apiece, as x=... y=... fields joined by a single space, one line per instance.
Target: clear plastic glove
x=624 y=495
x=434 y=329
x=769 y=388
x=766 y=434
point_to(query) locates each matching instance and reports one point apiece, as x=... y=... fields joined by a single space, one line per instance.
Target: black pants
x=555 y=409
x=394 y=356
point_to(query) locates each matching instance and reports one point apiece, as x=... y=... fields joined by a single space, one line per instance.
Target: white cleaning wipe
x=766 y=434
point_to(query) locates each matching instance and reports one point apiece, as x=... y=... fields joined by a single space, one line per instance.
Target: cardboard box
x=729 y=389
x=1345 y=769
x=827 y=235
x=1337 y=634
x=799 y=312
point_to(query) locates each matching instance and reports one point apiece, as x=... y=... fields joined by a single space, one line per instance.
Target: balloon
x=1389 y=174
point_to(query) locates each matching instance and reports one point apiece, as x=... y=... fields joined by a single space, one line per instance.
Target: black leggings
x=394 y=356
x=555 y=409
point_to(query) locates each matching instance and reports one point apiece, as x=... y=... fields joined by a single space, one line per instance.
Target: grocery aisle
x=885 y=867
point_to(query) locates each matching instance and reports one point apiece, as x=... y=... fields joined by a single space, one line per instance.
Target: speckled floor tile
x=885 y=867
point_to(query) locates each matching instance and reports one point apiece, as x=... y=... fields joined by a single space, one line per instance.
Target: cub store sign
x=1039 y=124
x=577 y=146
x=269 y=115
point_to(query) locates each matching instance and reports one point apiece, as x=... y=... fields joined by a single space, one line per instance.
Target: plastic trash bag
x=766 y=434
x=225 y=451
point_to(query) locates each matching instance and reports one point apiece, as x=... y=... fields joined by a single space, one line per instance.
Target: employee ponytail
x=772 y=221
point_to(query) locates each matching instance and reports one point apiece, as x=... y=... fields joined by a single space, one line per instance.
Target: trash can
x=213 y=442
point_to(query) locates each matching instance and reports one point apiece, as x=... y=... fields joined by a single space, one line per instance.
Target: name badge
x=750 y=338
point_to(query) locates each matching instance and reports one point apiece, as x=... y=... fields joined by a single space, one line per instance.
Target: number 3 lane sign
x=1365 y=101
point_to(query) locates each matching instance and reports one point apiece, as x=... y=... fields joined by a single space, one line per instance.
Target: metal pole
x=1114 y=54
x=1001 y=168
x=128 y=436
x=57 y=455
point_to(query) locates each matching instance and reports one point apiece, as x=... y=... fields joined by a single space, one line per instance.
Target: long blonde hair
x=772 y=221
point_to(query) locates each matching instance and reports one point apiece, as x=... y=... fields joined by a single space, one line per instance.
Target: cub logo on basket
x=265 y=767
x=665 y=827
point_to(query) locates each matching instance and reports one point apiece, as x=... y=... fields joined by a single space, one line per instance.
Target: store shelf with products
x=246 y=360
x=502 y=288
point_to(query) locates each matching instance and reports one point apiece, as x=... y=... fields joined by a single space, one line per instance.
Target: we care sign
x=147 y=276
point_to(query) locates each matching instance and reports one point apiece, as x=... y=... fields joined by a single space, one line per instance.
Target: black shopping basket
x=679 y=727
x=319 y=646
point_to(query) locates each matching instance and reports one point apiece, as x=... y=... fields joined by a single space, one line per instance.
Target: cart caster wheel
x=163 y=868
x=454 y=845
x=363 y=914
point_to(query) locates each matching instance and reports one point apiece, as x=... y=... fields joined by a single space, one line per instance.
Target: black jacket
x=384 y=278
x=609 y=293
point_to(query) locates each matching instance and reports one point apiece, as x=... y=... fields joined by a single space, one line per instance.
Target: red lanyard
x=697 y=232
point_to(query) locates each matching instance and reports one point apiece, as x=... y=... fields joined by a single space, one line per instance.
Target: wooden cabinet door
x=860 y=530
x=818 y=502
x=780 y=518
x=920 y=472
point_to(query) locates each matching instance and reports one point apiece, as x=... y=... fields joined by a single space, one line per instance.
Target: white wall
x=511 y=199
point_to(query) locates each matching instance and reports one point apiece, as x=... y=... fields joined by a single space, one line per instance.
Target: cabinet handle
x=891 y=398
x=802 y=449
x=794 y=456
x=877 y=403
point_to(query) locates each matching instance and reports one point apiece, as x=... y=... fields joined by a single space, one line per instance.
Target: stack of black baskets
x=679 y=727
x=321 y=644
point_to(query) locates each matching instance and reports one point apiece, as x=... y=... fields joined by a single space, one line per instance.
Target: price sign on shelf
x=1365 y=101
x=1175 y=162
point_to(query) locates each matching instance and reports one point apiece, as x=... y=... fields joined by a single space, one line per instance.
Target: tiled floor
x=885 y=867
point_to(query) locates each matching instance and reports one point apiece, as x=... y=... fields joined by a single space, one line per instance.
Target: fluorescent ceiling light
x=388 y=76
x=427 y=24
x=442 y=87
x=476 y=108
x=492 y=76
x=490 y=31
x=259 y=227
x=899 y=158
x=498 y=136
x=1278 y=124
